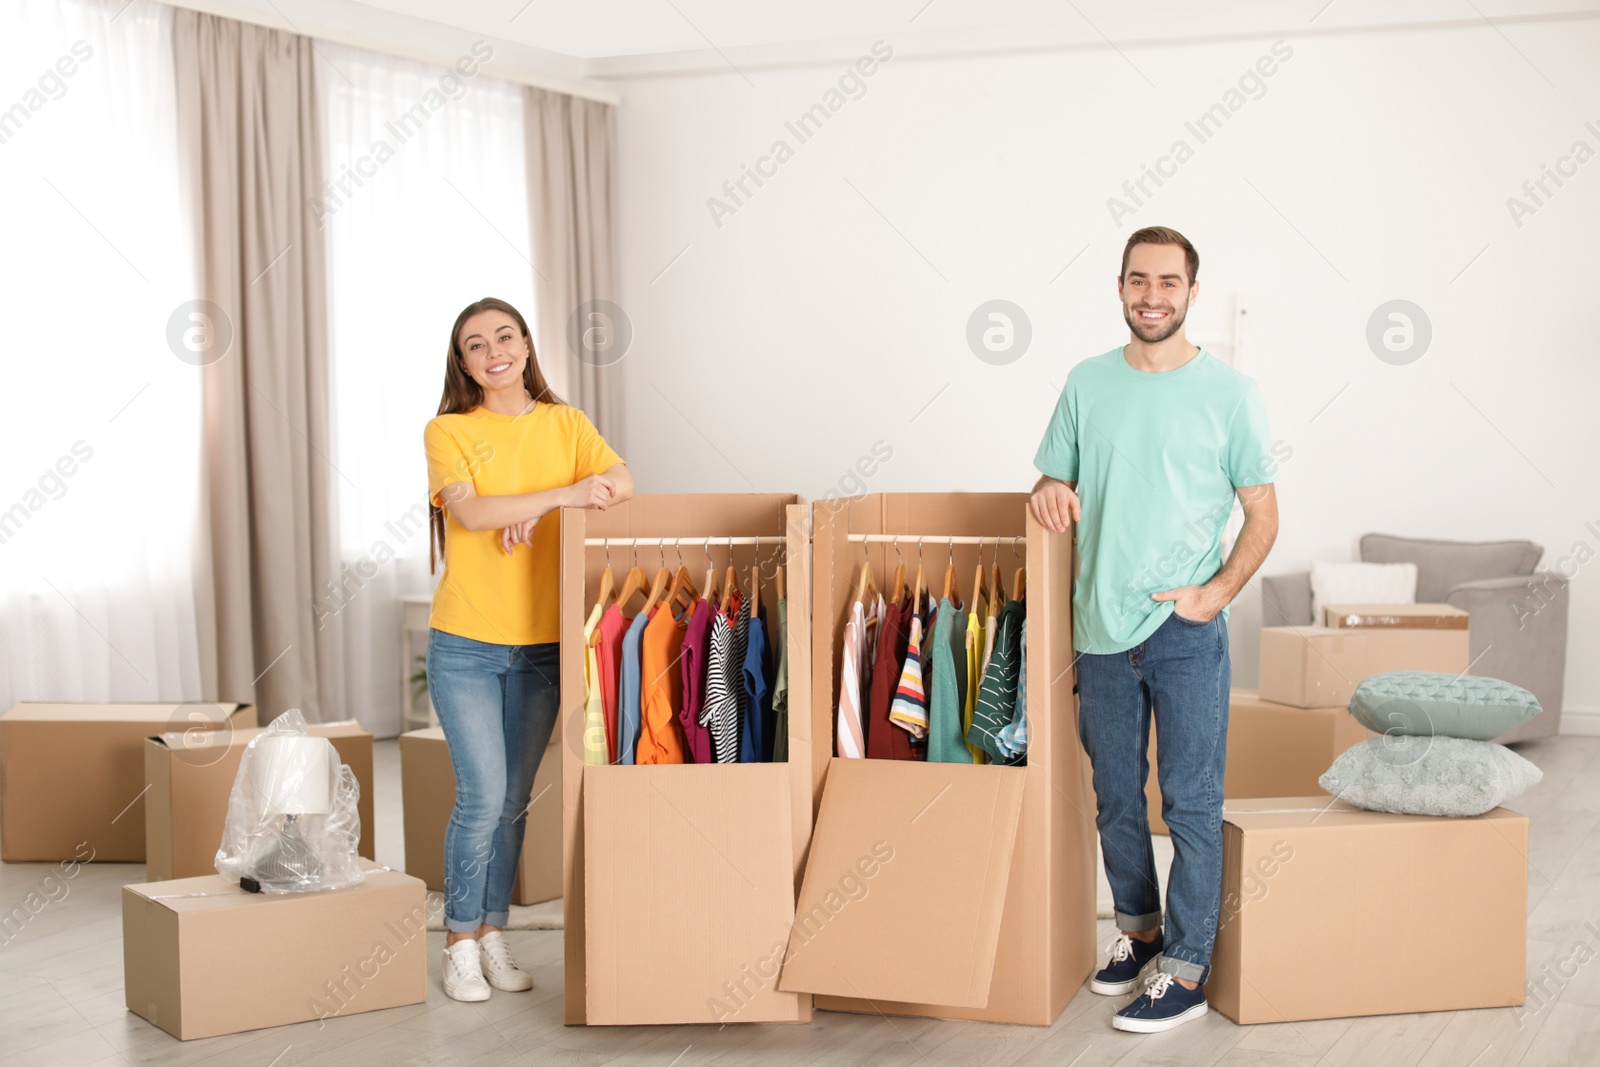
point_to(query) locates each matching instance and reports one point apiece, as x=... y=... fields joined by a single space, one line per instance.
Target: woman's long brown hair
x=462 y=394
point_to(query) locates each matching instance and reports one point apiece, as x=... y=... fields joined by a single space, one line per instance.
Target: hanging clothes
x=630 y=706
x=780 y=689
x=594 y=725
x=1013 y=737
x=720 y=715
x=661 y=737
x=755 y=733
x=885 y=740
x=909 y=708
x=945 y=741
x=740 y=648
x=696 y=650
x=997 y=698
x=849 y=738
x=974 y=655
x=608 y=637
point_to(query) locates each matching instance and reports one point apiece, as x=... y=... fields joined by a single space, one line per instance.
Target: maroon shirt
x=884 y=739
x=696 y=653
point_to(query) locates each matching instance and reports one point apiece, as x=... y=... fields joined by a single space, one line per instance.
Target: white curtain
x=426 y=211
x=99 y=446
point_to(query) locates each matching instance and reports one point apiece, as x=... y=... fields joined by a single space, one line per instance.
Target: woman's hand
x=520 y=533
x=595 y=491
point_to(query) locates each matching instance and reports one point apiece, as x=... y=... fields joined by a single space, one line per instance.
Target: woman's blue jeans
x=1181 y=674
x=497 y=705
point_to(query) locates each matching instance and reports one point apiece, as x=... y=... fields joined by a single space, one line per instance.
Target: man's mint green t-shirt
x=1157 y=458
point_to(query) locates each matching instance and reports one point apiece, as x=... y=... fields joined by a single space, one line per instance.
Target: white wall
x=806 y=328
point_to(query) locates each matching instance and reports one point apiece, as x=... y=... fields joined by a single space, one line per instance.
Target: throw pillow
x=1429 y=775
x=1428 y=702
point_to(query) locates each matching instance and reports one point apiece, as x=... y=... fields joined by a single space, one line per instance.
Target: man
x=1146 y=451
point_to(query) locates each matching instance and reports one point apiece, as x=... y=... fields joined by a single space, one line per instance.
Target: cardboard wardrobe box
x=940 y=889
x=428 y=795
x=189 y=778
x=72 y=775
x=1329 y=911
x=1320 y=666
x=1274 y=750
x=1394 y=616
x=201 y=957
x=679 y=879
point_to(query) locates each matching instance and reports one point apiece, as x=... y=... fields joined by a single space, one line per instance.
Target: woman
x=503 y=452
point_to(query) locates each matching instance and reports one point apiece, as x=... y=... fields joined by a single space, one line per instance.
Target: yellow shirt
x=485 y=594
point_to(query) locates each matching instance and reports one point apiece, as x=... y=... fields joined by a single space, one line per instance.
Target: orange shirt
x=660 y=732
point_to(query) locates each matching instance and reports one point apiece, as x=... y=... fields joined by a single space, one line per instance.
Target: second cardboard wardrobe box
x=940 y=889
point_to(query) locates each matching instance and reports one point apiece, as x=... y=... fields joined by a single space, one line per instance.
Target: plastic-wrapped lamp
x=292 y=775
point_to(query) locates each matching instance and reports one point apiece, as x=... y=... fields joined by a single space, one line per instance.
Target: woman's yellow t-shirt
x=485 y=594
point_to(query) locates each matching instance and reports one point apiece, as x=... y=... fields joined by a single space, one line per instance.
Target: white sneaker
x=463 y=972
x=498 y=966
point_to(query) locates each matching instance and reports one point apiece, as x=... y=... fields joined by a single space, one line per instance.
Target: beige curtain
x=251 y=162
x=572 y=204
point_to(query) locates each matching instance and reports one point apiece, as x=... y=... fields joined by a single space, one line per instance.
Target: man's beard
x=1163 y=330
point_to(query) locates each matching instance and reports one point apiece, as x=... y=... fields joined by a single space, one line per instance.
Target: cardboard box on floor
x=948 y=890
x=428 y=795
x=201 y=957
x=1274 y=750
x=72 y=775
x=1329 y=911
x=189 y=778
x=1394 y=617
x=1320 y=666
x=679 y=880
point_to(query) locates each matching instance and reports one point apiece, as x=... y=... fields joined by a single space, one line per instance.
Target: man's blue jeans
x=497 y=705
x=1181 y=673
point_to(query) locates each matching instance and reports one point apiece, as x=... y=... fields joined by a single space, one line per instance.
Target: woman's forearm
x=495 y=512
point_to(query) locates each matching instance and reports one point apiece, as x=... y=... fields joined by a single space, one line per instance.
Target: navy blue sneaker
x=1163 y=1005
x=1128 y=961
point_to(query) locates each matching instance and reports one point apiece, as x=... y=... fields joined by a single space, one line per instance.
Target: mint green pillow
x=1429 y=775
x=1425 y=703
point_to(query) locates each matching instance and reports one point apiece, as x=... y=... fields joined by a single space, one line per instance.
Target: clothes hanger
x=633 y=583
x=921 y=585
x=608 y=580
x=730 y=582
x=866 y=585
x=658 y=585
x=980 y=587
x=682 y=594
x=899 y=587
x=755 y=585
x=997 y=589
x=950 y=590
x=711 y=575
x=1019 y=580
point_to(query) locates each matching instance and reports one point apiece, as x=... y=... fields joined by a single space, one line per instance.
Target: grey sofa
x=1518 y=614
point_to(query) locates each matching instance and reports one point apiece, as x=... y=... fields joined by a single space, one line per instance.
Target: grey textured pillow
x=1429 y=775
x=1426 y=702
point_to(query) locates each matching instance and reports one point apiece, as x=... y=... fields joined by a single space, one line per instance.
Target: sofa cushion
x=1443 y=565
x=1429 y=775
x=1429 y=702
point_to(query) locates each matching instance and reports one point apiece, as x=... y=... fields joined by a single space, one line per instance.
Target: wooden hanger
x=682 y=593
x=608 y=585
x=730 y=582
x=866 y=585
x=658 y=588
x=898 y=589
x=778 y=582
x=921 y=585
x=997 y=589
x=950 y=589
x=1019 y=583
x=632 y=583
x=980 y=587
x=755 y=589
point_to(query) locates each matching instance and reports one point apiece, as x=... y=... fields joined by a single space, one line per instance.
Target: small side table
x=414 y=612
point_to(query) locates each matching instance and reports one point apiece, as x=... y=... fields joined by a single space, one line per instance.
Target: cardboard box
x=687 y=869
x=72 y=775
x=428 y=795
x=201 y=957
x=1320 y=666
x=948 y=890
x=1395 y=616
x=1274 y=750
x=1329 y=911
x=189 y=778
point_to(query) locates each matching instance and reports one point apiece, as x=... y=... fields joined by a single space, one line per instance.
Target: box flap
x=905 y=882
x=1278 y=813
x=1396 y=616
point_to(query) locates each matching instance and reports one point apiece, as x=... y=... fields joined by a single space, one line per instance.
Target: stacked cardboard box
x=1274 y=750
x=937 y=889
x=1329 y=911
x=188 y=780
x=428 y=795
x=201 y=957
x=680 y=879
x=1320 y=666
x=72 y=779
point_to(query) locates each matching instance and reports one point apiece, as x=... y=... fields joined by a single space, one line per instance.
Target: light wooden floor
x=61 y=992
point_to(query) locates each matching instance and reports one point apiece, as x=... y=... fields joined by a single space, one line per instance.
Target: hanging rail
x=695 y=542
x=943 y=539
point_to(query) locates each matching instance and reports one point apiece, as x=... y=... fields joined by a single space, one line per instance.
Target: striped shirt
x=851 y=742
x=910 y=707
x=720 y=712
